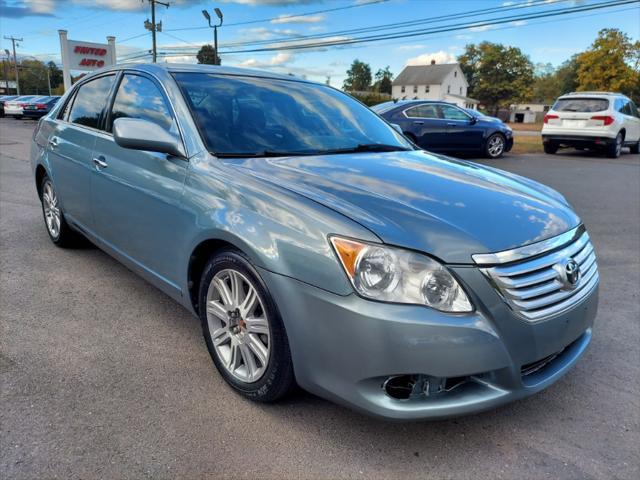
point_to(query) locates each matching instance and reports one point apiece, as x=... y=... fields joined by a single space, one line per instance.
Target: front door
x=462 y=132
x=136 y=195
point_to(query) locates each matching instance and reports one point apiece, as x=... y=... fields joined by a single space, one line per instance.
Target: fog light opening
x=405 y=387
x=401 y=387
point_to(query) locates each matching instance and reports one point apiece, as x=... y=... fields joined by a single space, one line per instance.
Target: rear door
x=426 y=124
x=462 y=133
x=71 y=144
x=631 y=120
x=136 y=194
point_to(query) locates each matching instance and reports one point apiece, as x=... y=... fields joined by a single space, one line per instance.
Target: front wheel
x=495 y=146
x=615 y=149
x=242 y=327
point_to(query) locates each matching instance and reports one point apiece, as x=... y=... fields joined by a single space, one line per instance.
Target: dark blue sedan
x=447 y=128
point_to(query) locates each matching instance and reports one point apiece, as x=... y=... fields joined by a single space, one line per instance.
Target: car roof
x=592 y=94
x=156 y=68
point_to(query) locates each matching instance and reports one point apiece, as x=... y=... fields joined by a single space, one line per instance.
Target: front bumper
x=508 y=144
x=344 y=348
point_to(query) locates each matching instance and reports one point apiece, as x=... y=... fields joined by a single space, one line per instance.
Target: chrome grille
x=536 y=287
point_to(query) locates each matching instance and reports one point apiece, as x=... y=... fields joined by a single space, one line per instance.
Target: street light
x=215 y=31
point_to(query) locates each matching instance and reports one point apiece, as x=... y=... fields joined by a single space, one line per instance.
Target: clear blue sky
x=544 y=40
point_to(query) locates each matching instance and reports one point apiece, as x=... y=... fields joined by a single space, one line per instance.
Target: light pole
x=215 y=32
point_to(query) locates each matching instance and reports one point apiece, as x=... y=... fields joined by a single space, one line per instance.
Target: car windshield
x=249 y=116
x=581 y=105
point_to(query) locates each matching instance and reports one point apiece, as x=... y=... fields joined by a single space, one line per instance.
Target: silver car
x=316 y=244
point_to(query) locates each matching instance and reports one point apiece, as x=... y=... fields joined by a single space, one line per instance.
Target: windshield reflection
x=248 y=116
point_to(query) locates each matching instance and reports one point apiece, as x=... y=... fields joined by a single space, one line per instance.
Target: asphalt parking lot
x=103 y=376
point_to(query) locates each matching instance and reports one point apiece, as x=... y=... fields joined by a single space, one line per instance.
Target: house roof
x=462 y=97
x=424 y=74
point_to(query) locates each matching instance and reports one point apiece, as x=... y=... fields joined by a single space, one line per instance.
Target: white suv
x=597 y=120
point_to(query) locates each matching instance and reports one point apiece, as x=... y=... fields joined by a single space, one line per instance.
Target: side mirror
x=138 y=134
x=397 y=128
x=473 y=120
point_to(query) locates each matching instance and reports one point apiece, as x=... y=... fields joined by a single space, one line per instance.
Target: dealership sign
x=84 y=56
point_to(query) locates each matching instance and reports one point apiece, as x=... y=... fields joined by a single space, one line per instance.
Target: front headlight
x=395 y=275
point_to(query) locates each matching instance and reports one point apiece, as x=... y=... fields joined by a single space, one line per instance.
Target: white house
x=444 y=82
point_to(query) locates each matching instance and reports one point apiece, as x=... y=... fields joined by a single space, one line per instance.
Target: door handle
x=418 y=122
x=451 y=124
x=99 y=162
x=53 y=142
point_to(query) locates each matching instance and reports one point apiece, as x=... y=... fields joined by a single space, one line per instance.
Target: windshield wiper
x=263 y=153
x=366 y=147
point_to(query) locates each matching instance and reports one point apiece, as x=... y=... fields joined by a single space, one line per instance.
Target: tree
x=497 y=75
x=33 y=77
x=207 y=55
x=383 y=77
x=611 y=64
x=358 y=77
x=55 y=75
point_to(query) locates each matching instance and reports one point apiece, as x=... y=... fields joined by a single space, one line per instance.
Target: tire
x=494 y=146
x=635 y=148
x=550 y=148
x=615 y=149
x=60 y=233
x=253 y=356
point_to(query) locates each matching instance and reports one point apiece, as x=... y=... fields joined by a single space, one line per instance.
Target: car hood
x=448 y=208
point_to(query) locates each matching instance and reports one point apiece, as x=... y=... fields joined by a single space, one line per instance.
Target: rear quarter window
x=581 y=105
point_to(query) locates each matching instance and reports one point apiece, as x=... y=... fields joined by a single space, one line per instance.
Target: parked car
x=14 y=107
x=447 y=128
x=3 y=99
x=593 y=120
x=316 y=244
x=39 y=107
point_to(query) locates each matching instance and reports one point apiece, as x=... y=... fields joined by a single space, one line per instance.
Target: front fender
x=278 y=230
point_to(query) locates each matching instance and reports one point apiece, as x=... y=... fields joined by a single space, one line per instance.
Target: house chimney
x=433 y=62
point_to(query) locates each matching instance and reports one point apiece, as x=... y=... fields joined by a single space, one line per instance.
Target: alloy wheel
x=495 y=146
x=618 y=145
x=238 y=325
x=51 y=209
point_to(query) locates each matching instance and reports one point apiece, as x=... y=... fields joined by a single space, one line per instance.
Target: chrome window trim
x=528 y=251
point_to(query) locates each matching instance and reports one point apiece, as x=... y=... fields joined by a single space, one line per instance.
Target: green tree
x=55 y=75
x=384 y=79
x=497 y=75
x=611 y=64
x=207 y=55
x=358 y=77
x=33 y=77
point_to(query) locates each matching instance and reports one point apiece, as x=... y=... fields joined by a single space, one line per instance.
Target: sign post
x=87 y=56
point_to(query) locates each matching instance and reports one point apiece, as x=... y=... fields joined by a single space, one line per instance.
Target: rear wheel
x=635 y=148
x=550 y=148
x=494 y=147
x=60 y=233
x=243 y=329
x=615 y=149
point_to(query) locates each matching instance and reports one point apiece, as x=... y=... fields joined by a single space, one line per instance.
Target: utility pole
x=15 y=60
x=151 y=25
x=6 y=72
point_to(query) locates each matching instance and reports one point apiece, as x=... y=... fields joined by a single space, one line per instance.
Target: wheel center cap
x=236 y=320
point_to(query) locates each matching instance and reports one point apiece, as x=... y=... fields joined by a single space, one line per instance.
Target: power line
x=392 y=26
x=262 y=20
x=445 y=28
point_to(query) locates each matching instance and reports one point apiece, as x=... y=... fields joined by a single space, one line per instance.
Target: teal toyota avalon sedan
x=316 y=244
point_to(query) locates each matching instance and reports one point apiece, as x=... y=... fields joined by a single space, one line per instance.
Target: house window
x=402 y=89
x=460 y=90
x=455 y=74
x=415 y=89
x=448 y=88
x=426 y=89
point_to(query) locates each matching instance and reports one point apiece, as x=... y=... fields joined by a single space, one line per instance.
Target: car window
x=90 y=101
x=453 y=113
x=423 y=111
x=634 y=110
x=243 y=115
x=581 y=105
x=139 y=97
x=626 y=108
